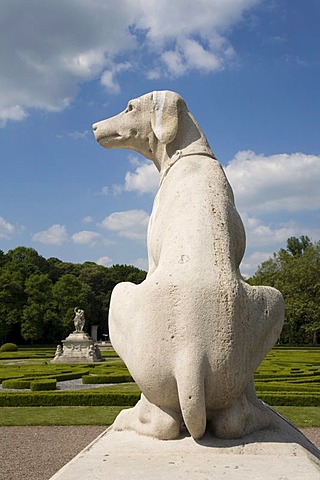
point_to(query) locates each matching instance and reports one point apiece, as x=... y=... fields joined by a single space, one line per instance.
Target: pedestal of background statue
x=78 y=347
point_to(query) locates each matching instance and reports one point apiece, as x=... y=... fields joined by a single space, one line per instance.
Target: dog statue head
x=149 y=125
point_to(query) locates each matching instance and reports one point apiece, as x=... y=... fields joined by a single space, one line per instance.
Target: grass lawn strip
x=50 y=416
x=302 y=417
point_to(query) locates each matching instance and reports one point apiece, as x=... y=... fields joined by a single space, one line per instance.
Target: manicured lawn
x=301 y=417
x=23 y=416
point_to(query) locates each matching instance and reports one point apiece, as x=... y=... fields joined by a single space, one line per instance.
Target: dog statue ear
x=164 y=120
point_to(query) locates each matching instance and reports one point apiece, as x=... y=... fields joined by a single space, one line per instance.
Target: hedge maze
x=287 y=376
x=290 y=376
x=27 y=382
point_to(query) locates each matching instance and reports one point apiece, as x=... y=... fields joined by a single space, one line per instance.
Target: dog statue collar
x=186 y=152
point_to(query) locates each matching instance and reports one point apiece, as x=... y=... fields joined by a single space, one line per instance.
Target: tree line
x=38 y=295
x=295 y=271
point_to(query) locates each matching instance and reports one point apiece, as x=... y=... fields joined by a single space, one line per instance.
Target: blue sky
x=249 y=71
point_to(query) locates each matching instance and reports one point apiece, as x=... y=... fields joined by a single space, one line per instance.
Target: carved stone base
x=78 y=347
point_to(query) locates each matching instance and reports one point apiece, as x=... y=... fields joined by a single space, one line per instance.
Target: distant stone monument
x=78 y=347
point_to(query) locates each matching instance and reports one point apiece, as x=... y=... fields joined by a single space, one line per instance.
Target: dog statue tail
x=192 y=402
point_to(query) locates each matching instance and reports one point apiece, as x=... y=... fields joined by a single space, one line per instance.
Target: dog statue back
x=193 y=332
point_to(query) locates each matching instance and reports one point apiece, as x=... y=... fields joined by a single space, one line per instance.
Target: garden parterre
x=288 y=376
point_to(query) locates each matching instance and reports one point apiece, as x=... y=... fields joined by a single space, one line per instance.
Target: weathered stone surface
x=193 y=332
x=282 y=454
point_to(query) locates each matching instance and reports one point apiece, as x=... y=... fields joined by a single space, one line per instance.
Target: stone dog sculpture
x=193 y=332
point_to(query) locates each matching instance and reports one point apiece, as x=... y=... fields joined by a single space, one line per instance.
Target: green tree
x=67 y=293
x=38 y=296
x=38 y=288
x=12 y=299
x=295 y=271
x=3 y=258
x=96 y=278
x=297 y=246
x=27 y=261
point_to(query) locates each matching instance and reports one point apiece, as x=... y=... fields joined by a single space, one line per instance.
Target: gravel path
x=36 y=453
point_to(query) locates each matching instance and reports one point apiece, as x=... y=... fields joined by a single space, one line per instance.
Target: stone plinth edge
x=265 y=455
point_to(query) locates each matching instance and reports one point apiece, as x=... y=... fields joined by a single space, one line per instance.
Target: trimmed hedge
x=8 y=347
x=95 y=379
x=79 y=398
x=290 y=400
x=286 y=388
x=67 y=398
x=40 y=385
x=60 y=377
x=10 y=376
x=16 y=383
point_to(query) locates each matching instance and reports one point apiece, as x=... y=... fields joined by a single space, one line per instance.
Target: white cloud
x=86 y=237
x=56 y=46
x=88 y=219
x=6 y=228
x=283 y=182
x=141 y=263
x=198 y=57
x=104 y=190
x=54 y=235
x=145 y=179
x=271 y=192
x=174 y=62
x=265 y=238
x=250 y=262
x=13 y=113
x=259 y=233
x=197 y=31
x=105 y=261
x=191 y=54
x=129 y=224
x=80 y=135
x=108 y=78
x=166 y=19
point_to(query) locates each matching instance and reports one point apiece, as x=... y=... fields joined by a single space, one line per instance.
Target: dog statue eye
x=129 y=108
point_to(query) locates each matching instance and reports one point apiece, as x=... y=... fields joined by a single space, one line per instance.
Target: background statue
x=79 y=320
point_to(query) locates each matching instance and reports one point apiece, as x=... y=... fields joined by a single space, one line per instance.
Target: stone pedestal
x=283 y=454
x=78 y=347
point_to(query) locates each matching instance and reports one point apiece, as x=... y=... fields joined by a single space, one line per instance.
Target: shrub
x=286 y=388
x=113 y=378
x=10 y=376
x=294 y=400
x=39 y=385
x=16 y=383
x=60 y=377
x=67 y=398
x=8 y=347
